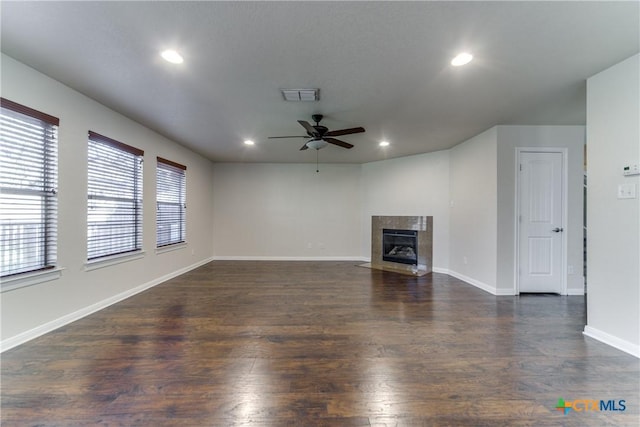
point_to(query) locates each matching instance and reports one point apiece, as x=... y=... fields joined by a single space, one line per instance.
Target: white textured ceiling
x=380 y=65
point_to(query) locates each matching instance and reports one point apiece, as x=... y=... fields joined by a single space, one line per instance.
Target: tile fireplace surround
x=422 y=224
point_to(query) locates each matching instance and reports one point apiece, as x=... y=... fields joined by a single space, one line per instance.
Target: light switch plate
x=626 y=191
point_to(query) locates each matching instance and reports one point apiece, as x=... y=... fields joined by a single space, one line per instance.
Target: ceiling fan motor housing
x=320 y=131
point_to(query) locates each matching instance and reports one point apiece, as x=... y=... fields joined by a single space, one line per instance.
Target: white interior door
x=541 y=228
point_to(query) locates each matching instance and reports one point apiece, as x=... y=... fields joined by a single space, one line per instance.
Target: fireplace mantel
x=424 y=227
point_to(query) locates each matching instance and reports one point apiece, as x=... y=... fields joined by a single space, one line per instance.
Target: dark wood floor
x=318 y=343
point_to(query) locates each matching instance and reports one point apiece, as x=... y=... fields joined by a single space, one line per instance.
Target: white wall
x=570 y=137
x=473 y=210
x=287 y=211
x=33 y=310
x=613 y=225
x=415 y=185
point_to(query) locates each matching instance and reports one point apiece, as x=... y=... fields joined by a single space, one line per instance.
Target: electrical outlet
x=570 y=269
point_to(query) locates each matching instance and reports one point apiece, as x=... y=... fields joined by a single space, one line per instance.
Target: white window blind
x=170 y=199
x=28 y=186
x=114 y=215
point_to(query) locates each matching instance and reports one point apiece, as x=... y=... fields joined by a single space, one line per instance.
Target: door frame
x=565 y=195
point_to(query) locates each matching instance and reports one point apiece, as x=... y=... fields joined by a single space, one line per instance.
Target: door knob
x=558 y=230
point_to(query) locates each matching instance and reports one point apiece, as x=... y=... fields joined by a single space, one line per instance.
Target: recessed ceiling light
x=384 y=143
x=461 y=59
x=249 y=142
x=172 y=56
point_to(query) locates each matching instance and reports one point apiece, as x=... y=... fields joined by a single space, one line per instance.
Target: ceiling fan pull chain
x=317 y=167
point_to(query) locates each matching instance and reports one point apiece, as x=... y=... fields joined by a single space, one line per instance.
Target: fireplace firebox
x=400 y=246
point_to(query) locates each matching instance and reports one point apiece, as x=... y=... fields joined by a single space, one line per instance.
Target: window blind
x=114 y=216
x=28 y=187
x=170 y=199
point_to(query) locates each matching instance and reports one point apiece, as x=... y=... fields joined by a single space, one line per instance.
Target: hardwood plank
x=318 y=344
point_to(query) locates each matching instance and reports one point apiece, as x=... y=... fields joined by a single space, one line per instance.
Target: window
x=170 y=199
x=28 y=186
x=114 y=217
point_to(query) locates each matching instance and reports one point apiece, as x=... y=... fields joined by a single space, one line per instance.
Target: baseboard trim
x=480 y=285
x=287 y=258
x=504 y=292
x=576 y=290
x=612 y=341
x=474 y=282
x=22 y=338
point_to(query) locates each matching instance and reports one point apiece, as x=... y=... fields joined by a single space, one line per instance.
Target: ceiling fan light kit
x=316 y=144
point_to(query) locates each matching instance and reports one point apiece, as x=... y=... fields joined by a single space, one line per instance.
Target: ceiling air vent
x=301 y=94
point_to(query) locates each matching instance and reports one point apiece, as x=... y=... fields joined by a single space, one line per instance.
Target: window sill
x=30 y=279
x=112 y=260
x=170 y=248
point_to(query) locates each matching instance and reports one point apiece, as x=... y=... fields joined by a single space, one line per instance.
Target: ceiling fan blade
x=338 y=142
x=344 y=131
x=308 y=127
x=304 y=147
x=275 y=137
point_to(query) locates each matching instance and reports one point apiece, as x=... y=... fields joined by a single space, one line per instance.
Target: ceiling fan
x=320 y=135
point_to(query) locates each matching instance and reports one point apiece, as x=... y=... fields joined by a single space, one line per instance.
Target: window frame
x=44 y=184
x=180 y=189
x=135 y=202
